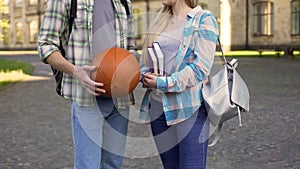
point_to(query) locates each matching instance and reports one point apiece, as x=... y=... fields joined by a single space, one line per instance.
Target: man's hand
x=82 y=74
x=149 y=80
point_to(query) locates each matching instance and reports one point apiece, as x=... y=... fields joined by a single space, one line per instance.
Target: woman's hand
x=149 y=80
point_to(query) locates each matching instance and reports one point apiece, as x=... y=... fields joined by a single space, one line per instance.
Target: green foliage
x=4 y=23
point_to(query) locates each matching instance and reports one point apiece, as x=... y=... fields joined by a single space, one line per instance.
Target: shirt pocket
x=82 y=16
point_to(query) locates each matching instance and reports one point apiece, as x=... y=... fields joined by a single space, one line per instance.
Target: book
x=152 y=61
x=160 y=58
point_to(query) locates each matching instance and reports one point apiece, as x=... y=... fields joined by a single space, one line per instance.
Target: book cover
x=153 y=62
x=160 y=58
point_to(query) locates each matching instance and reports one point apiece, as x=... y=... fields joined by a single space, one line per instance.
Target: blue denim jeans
x=99 y=135
x=183 y=145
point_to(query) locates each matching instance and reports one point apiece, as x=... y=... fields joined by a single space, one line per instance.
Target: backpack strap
x=72 y=14
x=73 y=11
x=58 y=74
x=125 y=4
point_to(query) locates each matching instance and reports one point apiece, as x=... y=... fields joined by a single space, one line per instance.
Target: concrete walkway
x=36 y=128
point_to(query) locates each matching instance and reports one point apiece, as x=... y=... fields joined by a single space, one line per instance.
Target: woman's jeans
x=183 y=145
x=99 y=135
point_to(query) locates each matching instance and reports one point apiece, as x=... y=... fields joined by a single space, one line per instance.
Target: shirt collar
x=194 y=11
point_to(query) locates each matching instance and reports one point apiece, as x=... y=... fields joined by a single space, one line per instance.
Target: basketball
x=118 y=70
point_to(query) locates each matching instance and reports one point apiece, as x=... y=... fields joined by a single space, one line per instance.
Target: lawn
x=13 y=71
x=254 y=53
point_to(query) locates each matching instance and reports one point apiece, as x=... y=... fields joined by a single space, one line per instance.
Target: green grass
x=254 y=53
x=297 y=54
x=244 y=53
x=10 y=65
x=13 y=71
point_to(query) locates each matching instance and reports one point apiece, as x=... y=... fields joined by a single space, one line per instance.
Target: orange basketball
x=118 y=70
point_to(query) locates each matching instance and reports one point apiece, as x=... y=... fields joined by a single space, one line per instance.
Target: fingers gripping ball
x=118 y=70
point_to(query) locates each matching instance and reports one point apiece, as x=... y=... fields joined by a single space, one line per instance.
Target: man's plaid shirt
x=78 y=48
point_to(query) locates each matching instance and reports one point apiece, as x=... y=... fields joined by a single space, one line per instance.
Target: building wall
x=231 y=15
x=4 y=16
x=281 y=37
x=147 y=16
x=233 y=23
x=24 y=18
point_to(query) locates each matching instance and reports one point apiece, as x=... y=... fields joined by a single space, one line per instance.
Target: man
x=99 y=124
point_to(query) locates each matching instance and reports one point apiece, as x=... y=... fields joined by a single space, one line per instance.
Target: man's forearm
x=57 y=61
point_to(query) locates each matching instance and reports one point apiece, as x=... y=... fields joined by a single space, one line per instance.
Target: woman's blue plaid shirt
x=181 y=90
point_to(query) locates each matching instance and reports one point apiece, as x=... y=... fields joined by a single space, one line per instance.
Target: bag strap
x=223 y=55
x=73 y=11
x=72 y=14
x=233 y=62
x=218 y=135
x=125 y=4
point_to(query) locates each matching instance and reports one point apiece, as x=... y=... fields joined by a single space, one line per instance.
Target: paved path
x=36 y=128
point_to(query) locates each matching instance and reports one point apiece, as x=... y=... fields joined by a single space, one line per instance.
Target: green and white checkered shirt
x=78 y=48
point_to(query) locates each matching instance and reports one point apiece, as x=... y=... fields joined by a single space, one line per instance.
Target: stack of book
x=156 y=59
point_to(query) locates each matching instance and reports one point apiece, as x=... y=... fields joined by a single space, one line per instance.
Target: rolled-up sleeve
x=52 y=28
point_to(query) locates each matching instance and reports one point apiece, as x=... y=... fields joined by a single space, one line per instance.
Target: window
x=33 y=2
x=4 y=33
x=295 y=17
x=18 y=3
x=6 y=36
x=263 y=18
x=4 y=7
x=19 y=32
x=33 y=31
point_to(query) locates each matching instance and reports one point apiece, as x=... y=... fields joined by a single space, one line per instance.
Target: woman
x=187 y=36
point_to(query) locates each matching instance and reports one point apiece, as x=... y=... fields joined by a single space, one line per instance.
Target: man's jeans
x=99 y=135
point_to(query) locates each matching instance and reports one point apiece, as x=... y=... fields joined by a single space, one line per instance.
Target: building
x=260 y=24
x=244 y=24
x=24 y=18
x=4 y=24
x=252 y=24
